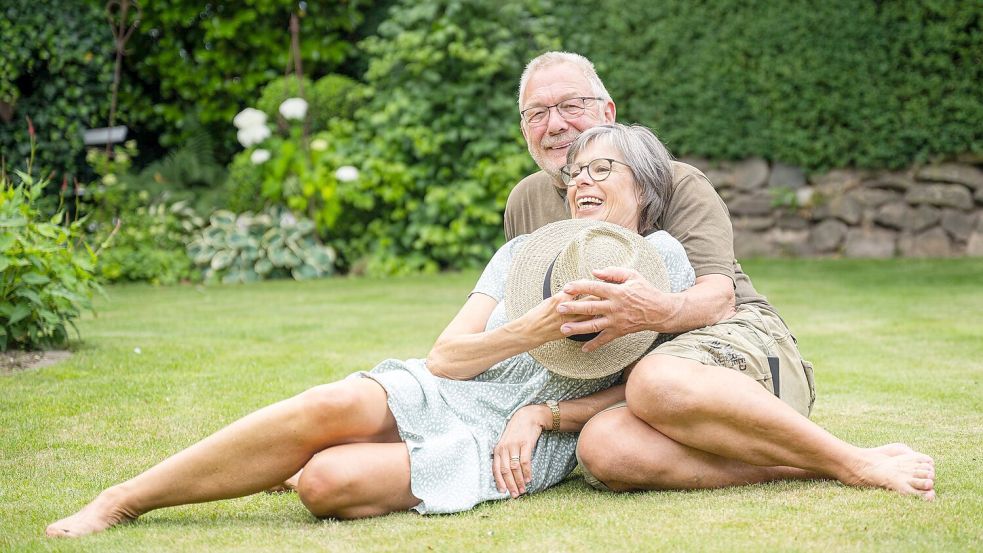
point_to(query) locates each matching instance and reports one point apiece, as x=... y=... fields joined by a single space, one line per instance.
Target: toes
x=923 y=484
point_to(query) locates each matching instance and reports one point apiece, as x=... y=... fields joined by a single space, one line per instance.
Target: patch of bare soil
x=15 y=361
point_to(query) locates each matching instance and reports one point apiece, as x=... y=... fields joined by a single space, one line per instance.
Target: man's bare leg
x=246 y=457
x=719 y=411
x=625 y=454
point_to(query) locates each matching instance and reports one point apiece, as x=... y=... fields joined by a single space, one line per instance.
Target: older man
x=725 y=401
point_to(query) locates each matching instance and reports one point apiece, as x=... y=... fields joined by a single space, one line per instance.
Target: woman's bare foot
x=909 y=473
x=105 y=511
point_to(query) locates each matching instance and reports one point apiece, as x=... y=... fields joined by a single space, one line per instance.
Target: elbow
x=726 y=306
x=439 y=365
x=435 y=363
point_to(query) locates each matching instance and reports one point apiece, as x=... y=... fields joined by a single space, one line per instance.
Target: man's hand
x=625 y=303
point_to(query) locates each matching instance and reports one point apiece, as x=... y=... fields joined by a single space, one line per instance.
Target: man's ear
x=610 y=112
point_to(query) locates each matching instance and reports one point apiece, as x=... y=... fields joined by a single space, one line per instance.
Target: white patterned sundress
x=450 y=427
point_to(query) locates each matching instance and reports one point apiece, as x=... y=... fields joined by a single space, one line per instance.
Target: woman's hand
x=544 y=321
x=512 y=460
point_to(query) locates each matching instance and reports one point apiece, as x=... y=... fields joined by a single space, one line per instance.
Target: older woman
x=461 y=427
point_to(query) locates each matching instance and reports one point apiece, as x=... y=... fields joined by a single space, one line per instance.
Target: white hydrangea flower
x=249 y=117
x=250 y=136
x=319 y=144
x=346 y=173
x=293 y=108
x=259 y=156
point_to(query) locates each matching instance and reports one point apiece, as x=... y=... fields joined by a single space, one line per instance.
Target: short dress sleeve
x=492 y=280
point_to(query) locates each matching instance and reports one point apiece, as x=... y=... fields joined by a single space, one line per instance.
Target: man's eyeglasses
x=597 y=169
x=568 y=109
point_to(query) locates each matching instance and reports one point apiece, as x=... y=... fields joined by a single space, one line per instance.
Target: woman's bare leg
x=248 y=456
x=358 y=480
x=720 y=411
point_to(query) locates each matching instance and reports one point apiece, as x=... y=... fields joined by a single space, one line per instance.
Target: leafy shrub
x=827 y=84
x=332 y=96
x=438 y=141
x=138 y=214
x=272 y=244
x=212 y=58
x=295 y=170
x=45 y=271
x=56 y=67
x=149 y=245
x=335 y=96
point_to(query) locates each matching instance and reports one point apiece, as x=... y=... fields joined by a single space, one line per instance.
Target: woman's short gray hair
x=650 y=162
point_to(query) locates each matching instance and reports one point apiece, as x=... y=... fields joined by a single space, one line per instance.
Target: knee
x=662 y=388
x=599 y=450
x=327 y=488
x=328 y=401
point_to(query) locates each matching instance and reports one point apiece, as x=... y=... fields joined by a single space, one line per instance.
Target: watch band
x=555 y=410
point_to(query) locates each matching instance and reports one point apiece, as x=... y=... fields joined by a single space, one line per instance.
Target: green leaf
x=29 y=294
x=222 y=259
x=34 y=278
x=20 y=311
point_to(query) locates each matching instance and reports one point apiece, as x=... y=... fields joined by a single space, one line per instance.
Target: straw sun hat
x=569 y=250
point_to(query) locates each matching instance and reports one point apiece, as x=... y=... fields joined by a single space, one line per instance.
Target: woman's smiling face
x=614 y=199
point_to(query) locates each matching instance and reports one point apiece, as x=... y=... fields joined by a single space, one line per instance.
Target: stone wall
x=927 y=211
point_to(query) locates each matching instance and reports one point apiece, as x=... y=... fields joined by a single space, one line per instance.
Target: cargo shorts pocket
x=739 y=346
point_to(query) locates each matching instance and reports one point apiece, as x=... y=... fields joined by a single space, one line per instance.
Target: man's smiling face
x=549 y=140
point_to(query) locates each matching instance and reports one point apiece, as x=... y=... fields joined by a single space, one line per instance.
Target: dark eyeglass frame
x=567 y=173
x=546 y=110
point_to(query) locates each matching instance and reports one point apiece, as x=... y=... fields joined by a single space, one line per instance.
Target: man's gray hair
x=650 y=162
x=549 y=59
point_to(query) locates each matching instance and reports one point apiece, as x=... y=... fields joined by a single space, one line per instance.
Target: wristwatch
x=555 y=409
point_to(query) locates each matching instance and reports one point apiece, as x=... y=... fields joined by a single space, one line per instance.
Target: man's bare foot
x=287 y=486
x=906 y=473
x=105 y=511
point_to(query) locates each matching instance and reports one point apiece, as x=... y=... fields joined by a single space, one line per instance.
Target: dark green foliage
x=149 y=245
x=141 y=218
x=438 y=143
x=56 y=68
x=45 y=274
x=214 y=58
x=330 y=97
x=818 y=84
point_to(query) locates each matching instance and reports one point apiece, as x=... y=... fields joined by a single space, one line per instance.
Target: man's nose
x=555 y=123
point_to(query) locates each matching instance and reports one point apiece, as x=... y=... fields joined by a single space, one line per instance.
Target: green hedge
x=207 y=61
x=817 y=84
x=56 y=67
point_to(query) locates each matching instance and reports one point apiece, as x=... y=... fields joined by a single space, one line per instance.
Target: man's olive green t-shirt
x=694 y=214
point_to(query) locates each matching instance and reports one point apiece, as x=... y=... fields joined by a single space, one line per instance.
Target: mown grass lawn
x=898 y=349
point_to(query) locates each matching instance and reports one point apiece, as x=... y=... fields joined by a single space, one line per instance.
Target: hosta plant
x=271 y=244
